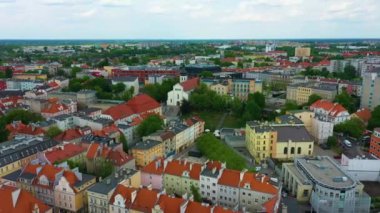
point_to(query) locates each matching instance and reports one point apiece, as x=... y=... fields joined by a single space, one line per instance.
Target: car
x=347 y=143
x=207 y=130
x=324 y=146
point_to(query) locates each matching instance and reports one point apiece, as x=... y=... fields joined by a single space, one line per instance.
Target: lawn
x=214 y=149
x=212 y=120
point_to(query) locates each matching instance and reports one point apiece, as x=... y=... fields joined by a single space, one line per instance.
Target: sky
x=189 y=19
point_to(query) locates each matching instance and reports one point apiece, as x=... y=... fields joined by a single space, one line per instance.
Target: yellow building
x=30 y=76
x=70 y=193
x=306 y=116
x=109 y=69
x=302 y=52
x=147 y=151
x=220 y=89
x=300 y=93
x=283 y=139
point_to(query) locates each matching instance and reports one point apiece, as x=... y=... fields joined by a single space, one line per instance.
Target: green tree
x=346 y=101
x=313 y=98
x=374 y=122
x=353 y=127
x=123 y=140
x=289 y=105
x=150 y=125
x=206 y=74
x=118 y=88
x=332 y=141
x=258 y=98
x=185 y=107
x=349 y=72
x=24 y=116
x=8 y=73
x=74 y=71
x=196 y=195
x=53 y=131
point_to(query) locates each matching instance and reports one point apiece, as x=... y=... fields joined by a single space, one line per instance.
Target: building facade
x=371 y=85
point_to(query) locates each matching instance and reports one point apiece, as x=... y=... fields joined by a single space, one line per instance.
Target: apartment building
x=99 y=195
x=374 y=147
x=17 y=153
x=371 y=85
x=301 y=92
x=328 y=111
x=280 y=140
x=328 y=187
x=147 y=151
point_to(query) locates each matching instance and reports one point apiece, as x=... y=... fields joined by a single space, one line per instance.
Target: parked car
x=324 y=146
x=347 y=143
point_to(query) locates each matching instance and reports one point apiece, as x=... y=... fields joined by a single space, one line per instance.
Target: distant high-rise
x=370 y=90
x=270 y=47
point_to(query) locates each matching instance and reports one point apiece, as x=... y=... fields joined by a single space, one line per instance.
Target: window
x=299 y=150
x=286 y=150
x=292 y=150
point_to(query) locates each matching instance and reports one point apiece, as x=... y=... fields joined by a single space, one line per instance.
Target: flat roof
x=301 y=177
x=325 y=172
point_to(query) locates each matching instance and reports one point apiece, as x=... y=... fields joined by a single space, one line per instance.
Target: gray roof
x=109 y=183
x=13 y=176
x=147 y=144
x=289 y=119
x=85 y=179
x=324 y=171
x=293 y=133
x=214 y=173
x=23 y=147
x=125 y=78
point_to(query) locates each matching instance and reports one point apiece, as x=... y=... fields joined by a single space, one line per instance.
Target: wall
x=362 y=169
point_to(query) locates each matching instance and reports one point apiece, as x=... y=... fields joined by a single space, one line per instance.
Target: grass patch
x=214 y=149
x=212 y=120
x=232 y=122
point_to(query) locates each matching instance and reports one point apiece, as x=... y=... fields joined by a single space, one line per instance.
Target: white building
x=321 y=129
x=329 y=111
x=209 y=183
x=129 y=82
x=362 y=167
x=181 y=91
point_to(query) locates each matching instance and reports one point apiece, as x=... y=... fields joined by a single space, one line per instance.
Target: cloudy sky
x=188 y=19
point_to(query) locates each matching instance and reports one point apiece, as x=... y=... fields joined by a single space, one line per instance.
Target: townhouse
x=99 y=194
x=332 y=112
x=301 y=92
x=147 y=151
x=18 y=152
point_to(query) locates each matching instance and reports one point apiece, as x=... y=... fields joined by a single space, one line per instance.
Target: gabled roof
x=64 y=152
x=190 y=84
x=141 y=103
x=170 y=204
x=15 y=200
x=177 y=168
x=230 y=178
x=364 y=114
x=258 y=183
x=68 y=135
x=20 y=128
x=54 y=107
x=154 y=167
x=145 y=200
x=270 y=205
x=195 y=207
x=92 y=150
x=125 y=192
x=333 y=109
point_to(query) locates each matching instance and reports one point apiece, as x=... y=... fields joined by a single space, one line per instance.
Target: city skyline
x=169 y=19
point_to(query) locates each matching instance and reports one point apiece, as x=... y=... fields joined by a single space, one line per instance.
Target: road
x=221 y=121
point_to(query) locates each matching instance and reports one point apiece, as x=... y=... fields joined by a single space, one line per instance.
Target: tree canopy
x=353 y=127
x=53 y=131
x=160 y=91
x=150 y=125
x=346 y=100
x=374 y=122
x=313 y=98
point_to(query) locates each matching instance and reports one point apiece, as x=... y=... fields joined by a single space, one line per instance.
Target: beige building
x=322 y=182
x=370 y=91
x=284 y=139
x=302 y=52
x=306 y=116
x=300 y=93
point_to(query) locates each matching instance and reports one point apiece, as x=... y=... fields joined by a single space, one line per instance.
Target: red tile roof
x=54 y=107
x=364 y=114
x=50 y=172
x=177 y=168
x=258 y=183
x=270 y=205
x=125 y=192
x=190 y=84
x=24 y=201
x=92 y=150
x=197 y=208
x=70 y=177
x=118 y=158
x=141 y=103
x=20 y=128
x=155 y=167
x=333 y=109
x=170 y=204
x=230 y=178
x=65 y=152
x=145 y=200
x=106 y=131
x=69 y=135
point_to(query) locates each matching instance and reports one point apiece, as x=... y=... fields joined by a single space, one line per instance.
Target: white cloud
x=115 y=3
x=88 y=13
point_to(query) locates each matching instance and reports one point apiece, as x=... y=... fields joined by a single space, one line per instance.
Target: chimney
x=133 y=196
x=262 y=178
x=149 y=187
x=36 y=209
x=191 y=166
x=242 y=174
